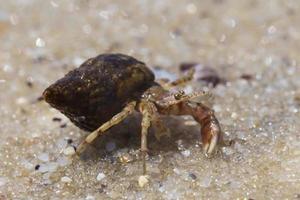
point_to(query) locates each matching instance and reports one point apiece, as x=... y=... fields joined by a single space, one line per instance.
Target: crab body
x=104 y=90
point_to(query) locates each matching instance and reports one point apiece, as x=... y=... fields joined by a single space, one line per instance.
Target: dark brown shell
x=91 y=94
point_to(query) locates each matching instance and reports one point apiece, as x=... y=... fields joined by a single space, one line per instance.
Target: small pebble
x=43 y=157
x=56 y=119
x=177 y=171
x=126 y=158
x=161 y=187
x=63 y=125
x=69 y=151
x=28 y=165
x=100 y=176
x=90 y=197
x=247 y=77
x=3 y=181
x=193 y=176
x=234 y=115
x=143 y=180
x=205 y=182
x=21 y=101
x=64 y=161
x=66 y=179
x=29 y=84
x=186 y=153
x=37 y=167
x=49 y=167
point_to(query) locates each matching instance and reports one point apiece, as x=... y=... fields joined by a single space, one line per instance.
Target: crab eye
x=179 y=95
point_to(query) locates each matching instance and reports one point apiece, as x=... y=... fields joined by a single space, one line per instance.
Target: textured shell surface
x=98 y=89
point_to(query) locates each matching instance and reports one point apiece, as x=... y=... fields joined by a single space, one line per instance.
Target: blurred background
x=245 y=52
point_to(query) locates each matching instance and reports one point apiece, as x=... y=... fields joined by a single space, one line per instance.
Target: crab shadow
x=127 y=135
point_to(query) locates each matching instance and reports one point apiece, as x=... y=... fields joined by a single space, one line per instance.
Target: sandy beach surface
x=251 y=46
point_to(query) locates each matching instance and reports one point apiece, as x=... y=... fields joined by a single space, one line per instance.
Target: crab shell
x=98 y=89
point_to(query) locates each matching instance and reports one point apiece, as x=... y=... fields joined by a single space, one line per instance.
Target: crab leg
x=188 y=77
x=149 y=113
x=210 y=128
x=181 y=81
x=144 y=149
x=113 y=121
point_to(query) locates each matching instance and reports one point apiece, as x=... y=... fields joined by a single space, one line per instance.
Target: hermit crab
x=105 y=89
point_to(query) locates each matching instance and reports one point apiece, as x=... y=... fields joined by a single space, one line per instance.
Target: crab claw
x=210 y=132
x=210 y=128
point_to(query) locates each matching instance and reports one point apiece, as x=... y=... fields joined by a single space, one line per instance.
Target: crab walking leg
x=159 y=128
x=210 y=128
x=148 y=111
x=113 y=121
x=144 y=149
x=158 y=125
x=181 y=81
x=188 y=77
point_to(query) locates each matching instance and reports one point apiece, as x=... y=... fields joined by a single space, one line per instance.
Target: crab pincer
x=210 y=128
